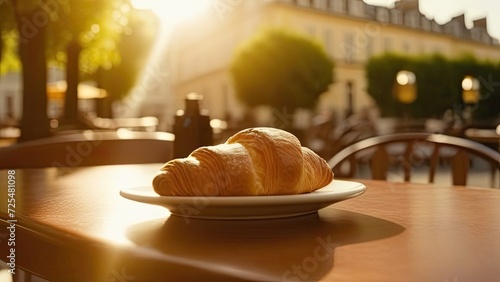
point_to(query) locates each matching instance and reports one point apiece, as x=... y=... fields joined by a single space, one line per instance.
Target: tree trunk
x=103 y=105
x=1 y=48
x=72 y=78
x=34 y=121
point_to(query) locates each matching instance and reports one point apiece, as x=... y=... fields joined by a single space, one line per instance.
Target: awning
x=57 y=90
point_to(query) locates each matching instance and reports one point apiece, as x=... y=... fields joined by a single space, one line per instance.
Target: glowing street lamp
x=470 y=90
x=405 y=88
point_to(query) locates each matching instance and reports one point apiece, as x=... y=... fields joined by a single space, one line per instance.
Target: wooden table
x=488 y=136
x=72 y=225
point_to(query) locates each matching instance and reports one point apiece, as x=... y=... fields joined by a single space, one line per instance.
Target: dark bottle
x=191 y=128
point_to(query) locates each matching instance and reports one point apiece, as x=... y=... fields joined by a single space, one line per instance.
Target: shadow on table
x=291 y=249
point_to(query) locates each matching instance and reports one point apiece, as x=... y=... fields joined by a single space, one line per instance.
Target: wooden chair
x=89 y=148
x=406 y=149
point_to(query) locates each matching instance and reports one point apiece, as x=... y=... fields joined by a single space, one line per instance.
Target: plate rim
x=318 y=196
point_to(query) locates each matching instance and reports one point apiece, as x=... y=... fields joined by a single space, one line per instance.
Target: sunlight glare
x=172 y=11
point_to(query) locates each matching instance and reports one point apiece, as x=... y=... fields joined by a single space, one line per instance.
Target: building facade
x=351 y=32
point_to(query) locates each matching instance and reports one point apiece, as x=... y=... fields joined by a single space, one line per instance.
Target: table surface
x=483 y=135
x=72 y=225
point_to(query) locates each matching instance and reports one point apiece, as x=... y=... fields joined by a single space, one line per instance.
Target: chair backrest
x=406 y=149
x=89 y=148
x=137 y=124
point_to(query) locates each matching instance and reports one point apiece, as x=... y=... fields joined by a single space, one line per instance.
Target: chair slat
x=379 y=163
x=443 y=146
x=460 y=168
x=90 y=149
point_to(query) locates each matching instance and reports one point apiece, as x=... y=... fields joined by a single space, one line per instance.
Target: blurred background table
x=72 y=225
x=489 y=137
x=483 y=135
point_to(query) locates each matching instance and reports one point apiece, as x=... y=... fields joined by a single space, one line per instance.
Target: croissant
x=255 y=161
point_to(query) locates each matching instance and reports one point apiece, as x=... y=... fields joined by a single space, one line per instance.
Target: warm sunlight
x=171 y=11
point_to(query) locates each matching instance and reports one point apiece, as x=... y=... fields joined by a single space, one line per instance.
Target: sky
x=443 y=10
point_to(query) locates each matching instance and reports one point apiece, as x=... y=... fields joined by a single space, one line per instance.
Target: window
x=382 y=15
x=356 y=8
x=329 y=4
x=319 y=4
x=327 y=41
x=370 y=11
x=476 y=33
x=486 y=38
x=305 y=3
x=369 y=47
x=396 y=17
x=406 y=48
x=425 y=24
x=456 y=30
x=387 y=44
x=411 y=19
x=349 y=48
x=436 y=27
x=339 y=6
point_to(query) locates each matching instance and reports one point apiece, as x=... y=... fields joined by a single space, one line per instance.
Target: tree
x=88 y=32
x=434 y=95
x=381 y=72
x=439 y=84
x=46 y=27
x=134 y=48
x=281 y=69
x=31 y=27
x=488 y=75
x=6 y=24
x=8 y=39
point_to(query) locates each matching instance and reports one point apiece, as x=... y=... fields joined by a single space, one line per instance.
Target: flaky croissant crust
x=255 y=161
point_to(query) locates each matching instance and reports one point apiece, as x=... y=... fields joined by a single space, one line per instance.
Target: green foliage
x=134 y=48
x=439 y=84
x=6 y=22
x=489 y=78
x=115 y=38
x=7 y=38
x=94 y=24
x=434 y=95
x=281 y=69
x=8 y=56
x=381 y=72
x=41 y=30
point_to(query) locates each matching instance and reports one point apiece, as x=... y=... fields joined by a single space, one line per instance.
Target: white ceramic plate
x=249 y=207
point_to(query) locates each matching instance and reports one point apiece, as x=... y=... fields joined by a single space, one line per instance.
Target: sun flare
x=172 y=11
